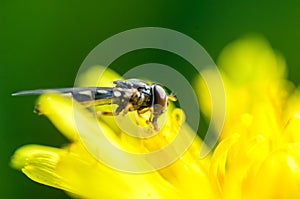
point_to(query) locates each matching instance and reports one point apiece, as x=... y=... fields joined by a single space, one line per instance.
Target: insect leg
x=136 y=119
x=127 y=108
x=153 y=119
x=140 y=112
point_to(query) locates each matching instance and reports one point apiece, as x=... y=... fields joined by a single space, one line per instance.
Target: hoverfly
x=128 y=95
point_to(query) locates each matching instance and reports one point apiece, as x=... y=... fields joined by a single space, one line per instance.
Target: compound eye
x=160 y=99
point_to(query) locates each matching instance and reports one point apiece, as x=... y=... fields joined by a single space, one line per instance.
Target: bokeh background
x=43 y=43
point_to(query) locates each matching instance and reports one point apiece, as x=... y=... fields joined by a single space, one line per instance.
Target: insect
x=129 y=95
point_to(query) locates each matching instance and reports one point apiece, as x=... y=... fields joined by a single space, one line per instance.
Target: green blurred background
x=43 y=43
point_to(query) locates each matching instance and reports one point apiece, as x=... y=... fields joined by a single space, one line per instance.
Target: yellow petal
x=185 y=174
x=244 y=159
x=251 y=59
x=279 y=175
x=291 y=132
x=65 y=170
x=219 y=162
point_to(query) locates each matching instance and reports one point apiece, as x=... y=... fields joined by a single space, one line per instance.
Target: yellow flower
x=258 y=155
x=79 y=171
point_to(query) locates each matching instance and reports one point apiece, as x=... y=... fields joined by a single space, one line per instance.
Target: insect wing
x=80 y=94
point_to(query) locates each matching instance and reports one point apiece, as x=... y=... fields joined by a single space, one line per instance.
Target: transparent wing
x=81 y=94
